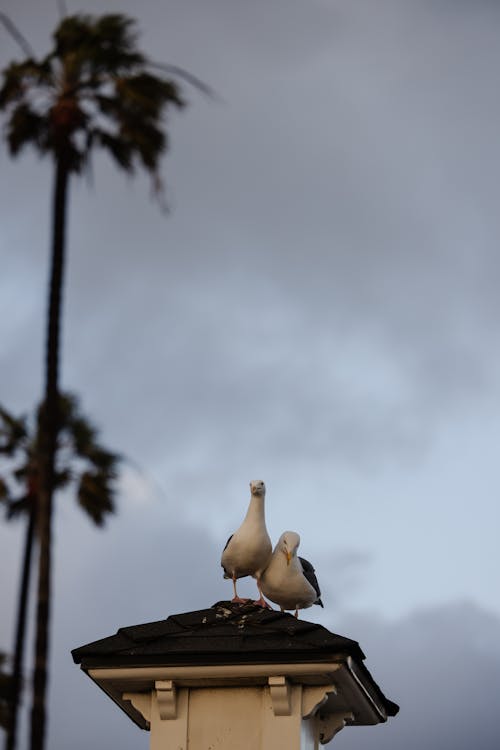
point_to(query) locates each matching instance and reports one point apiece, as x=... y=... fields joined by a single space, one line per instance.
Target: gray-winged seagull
x=289 y=580
x=248 y=551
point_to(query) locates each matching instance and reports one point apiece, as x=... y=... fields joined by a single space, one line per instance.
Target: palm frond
x=90 y=46
x=26 y=127
x=104 y=461
x=4 y=491
x=120 y=150
x=147 y=94
x=19 y=507
x=20 y=473
x=81 y=460
x=147 y=143
x=20 y=79
x=83 y=435
x=13 y=432
x=185 y=75
x=96 y=496
x=68 y=407
x=63 y=477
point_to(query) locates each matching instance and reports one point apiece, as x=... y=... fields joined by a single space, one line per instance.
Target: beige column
x=273 y=715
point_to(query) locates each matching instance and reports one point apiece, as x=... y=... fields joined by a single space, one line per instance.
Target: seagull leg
x=261 y=602
x=297 y=613
x=236 y=599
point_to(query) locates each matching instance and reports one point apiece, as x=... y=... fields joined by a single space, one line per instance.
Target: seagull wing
x=226 y=574
x=309 y=574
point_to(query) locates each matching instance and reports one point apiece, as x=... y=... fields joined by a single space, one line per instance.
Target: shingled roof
x=224 y=633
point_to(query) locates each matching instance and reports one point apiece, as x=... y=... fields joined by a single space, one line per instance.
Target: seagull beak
x=288 y=556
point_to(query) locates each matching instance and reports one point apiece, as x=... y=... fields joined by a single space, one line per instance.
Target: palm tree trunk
x=48 y=442
x=17 y=670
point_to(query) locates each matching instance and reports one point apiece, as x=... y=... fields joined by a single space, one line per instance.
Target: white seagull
x=289 y=580
x=248 y=550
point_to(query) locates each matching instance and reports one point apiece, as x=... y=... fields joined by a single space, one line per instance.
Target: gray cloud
x=431 y=663
x=319 y=309
x=348 y=257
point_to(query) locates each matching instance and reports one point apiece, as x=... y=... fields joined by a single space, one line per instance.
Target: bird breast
x=286 y=585
x=248 y=552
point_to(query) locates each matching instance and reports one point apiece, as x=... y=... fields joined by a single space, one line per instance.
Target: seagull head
x=257 y=487
x=288 y=544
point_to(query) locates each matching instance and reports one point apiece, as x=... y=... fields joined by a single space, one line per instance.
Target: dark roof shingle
x=224 y=632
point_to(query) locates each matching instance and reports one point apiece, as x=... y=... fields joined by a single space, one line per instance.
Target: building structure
x=238 y=677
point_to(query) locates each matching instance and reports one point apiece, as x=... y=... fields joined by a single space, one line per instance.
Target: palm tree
x=94 y=89
x=82 y=465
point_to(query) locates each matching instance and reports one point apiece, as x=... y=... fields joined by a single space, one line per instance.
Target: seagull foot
x=239 y=600
x=262 y=603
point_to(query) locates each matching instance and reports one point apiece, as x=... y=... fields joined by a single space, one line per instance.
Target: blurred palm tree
x=81 y=465
x=95 y=89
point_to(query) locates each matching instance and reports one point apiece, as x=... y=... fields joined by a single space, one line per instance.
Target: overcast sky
x=319 y=309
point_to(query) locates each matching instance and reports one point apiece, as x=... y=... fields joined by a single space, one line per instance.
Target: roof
x=224 y=633
x=227 y=634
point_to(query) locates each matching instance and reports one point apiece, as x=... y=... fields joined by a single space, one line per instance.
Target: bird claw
x=262 y=603
x=239 y=600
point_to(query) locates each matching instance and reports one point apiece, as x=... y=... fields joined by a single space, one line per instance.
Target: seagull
x=289 y=580
x=248 y=551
